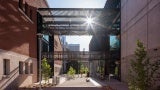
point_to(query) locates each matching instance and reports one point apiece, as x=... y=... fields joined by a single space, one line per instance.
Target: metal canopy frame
x=75 y=55
x=72 y=21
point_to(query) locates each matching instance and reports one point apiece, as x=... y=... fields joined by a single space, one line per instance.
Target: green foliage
x=82 y=69
x=46 y=70
x=116 y=71
x=100 y=69
x=86 y=70
x=142 y=71
x=71 y=72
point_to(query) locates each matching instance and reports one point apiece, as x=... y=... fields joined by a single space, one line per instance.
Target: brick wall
x=18 y=41
x=18 y=33
x=57 y=63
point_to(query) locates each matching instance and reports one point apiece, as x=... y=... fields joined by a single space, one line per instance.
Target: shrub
x=142 y=71
x=46 y=70
x=71 y=72
x=82 y=69
x=86 y=70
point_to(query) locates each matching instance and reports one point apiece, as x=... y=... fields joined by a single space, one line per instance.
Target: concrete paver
x=117 y=85
x=81 y=84
x=75 y=88
x=77 y=82
x=113 y=83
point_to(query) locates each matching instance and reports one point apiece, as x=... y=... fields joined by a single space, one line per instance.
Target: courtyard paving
x=80 y=84
x=77 y=82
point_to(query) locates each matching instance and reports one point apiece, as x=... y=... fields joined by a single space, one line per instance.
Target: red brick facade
x=18 y=42
x=57 y=63
x=18 y=33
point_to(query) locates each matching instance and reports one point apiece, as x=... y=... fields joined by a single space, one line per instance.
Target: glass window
x=21 y=4
x=26 y=9
x=114 y=42
x=31 y=68
x=26 y=68
x=46 y=37
x=20 y=67
x=6 y=66
x=30 y=15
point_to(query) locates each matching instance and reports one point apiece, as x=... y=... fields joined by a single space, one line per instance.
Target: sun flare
x=89 y=20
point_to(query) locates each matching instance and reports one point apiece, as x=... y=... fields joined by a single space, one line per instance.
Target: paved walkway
x=81 y=84
x=75 y=88
x=115 y=84
x=77 y=82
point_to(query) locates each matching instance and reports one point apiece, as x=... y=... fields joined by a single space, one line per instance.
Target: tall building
x=63 y=39
x=64 y=42
x=139 y=21
x=74 y=47
x=104 y=41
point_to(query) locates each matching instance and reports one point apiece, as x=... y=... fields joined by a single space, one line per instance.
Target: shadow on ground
x=68 y=88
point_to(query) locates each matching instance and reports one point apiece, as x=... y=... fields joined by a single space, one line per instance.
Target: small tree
x=46 y=70
x=82 y=69
x=86 y=70
x=71 y=72
x=142 y=71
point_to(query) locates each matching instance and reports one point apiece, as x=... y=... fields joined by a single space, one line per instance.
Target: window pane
x=30 y=15
x=20 y=67
x=26 y=8
x=114 y=42
x=26 y=68
x=6 y=67
x=21 y=4
x=46 y=37
x=31 y=68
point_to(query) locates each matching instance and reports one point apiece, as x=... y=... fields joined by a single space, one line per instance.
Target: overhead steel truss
x=72 y=21
x=75 y=55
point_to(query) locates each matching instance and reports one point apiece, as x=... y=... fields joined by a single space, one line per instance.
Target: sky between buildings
x=76 y=3
x=82 y=40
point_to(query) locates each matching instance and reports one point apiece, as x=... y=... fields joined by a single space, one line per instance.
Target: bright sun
x=89 y=20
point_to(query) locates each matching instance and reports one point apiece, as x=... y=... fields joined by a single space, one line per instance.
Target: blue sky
x=82 y=40
x=76 y=3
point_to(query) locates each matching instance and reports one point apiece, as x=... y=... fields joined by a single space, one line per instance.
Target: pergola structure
x=75 y=55
x=73 y=21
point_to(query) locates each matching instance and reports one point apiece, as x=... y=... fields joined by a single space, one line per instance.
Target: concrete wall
x=139 y=20
x=18 y=41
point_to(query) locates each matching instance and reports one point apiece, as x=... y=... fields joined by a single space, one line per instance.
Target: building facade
x=58 y=69
x=50 y=45
x=74 y=47
x=106 y=41
x=18 y=48
x=139 y=21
